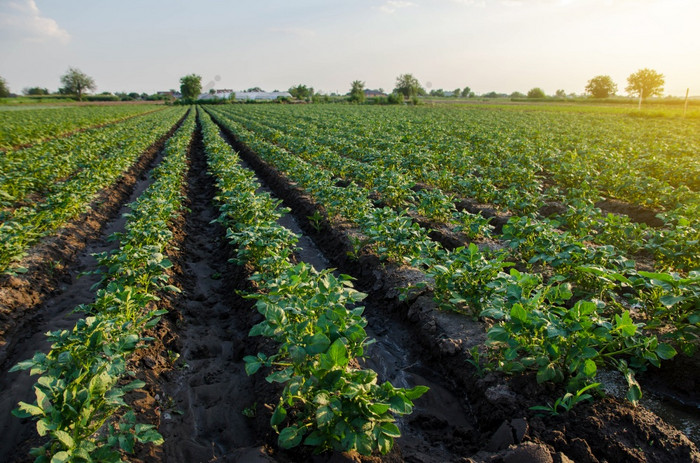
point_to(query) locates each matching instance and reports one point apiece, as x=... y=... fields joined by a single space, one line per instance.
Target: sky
x=488 y=45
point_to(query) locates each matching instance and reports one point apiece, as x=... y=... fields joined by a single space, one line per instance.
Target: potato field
x=273 y=282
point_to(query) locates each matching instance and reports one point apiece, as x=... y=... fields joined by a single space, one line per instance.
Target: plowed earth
x=208 y=409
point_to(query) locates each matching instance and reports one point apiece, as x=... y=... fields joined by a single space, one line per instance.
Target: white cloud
x=391 y=6
x=22 y=20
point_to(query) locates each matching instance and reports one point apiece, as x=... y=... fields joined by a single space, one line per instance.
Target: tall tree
x=645 y=83
x=357 y=91
x=601 y=87
x=456 y=92
x=408 y=86
x=77 y=82
x=466 y=92
x=4 y=89
x=190 y=86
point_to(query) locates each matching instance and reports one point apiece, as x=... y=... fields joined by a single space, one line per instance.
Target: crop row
x=39 y=168
x=26 y=225
x=22 y=127
x=313 y=316
x=540 y=324
x=80 y=403
x=511 y=178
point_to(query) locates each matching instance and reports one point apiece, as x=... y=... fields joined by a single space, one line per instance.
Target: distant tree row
x=643 y=83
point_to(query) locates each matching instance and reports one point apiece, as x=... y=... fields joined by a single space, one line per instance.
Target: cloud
x=294 y=31
x=391 y=6
x=22 y=20
x=479 y=3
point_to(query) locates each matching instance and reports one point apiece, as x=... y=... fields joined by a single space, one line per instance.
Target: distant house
x=171 y=94
x=374 y=93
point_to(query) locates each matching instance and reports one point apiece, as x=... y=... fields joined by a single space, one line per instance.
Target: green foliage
x=573 y=316
x=4 y=88
x=190 y=86
x=77 y=82
x=568 y=401
x=67 y=174
x=35 y=91
x=79 y=404
x=315 y=320
x=645 y=83
x=357 y=91
x=408 y=86
x=536 y=93
x=301 y=92
x=601 y=87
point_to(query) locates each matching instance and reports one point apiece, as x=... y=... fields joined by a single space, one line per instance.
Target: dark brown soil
x=208 y=409
x=607 y=430
x=42 y=300
x=49 y=262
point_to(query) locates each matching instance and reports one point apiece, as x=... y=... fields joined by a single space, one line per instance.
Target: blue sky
x=489 y=45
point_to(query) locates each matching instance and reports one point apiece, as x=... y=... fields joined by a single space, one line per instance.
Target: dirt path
x=55 y=313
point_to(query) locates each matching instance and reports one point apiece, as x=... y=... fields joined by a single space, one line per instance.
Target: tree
x=76 y=82
x=4 y=89
x=645 y=83
x=357 y=91
x=35 y=91
x=437 y=92
x=190 y=86
x=256 y=90
x=560 y=93
x=301 y=92
x=601 y=87
x=408 y=86
x=536 y=93
x=517 y=94
x=456 y=92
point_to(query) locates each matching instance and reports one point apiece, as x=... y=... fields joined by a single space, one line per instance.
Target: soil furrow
x=603 y=431
x=55 y=311
x=204 y=396
x=49 y=263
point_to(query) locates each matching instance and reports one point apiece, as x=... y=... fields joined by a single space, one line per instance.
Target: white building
x=226 y=94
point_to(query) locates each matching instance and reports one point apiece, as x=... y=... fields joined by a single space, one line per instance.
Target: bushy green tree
x=601 y=87
x=301 y=92
x=190 y=86
x=536 y=93
x=456 y=92
x=357 y=91
x=35 y=91
x=645 y=83
x=408 y=86
x=76 y=82
x=466 y=92
x=4 y=89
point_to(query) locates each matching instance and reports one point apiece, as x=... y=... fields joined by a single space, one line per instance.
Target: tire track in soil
x=55 y=313
x=205 y=395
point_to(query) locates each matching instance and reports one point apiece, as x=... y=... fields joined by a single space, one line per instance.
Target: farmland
x=404 y=283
